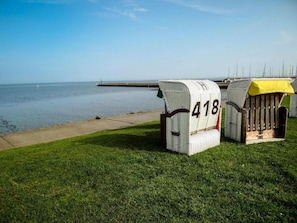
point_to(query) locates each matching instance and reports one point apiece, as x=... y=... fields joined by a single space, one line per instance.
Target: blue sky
x=90 y=40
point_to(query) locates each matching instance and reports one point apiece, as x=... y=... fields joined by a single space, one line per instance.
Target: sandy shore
x=44 y=135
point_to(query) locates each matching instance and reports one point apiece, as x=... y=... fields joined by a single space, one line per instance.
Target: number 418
x=214 y=110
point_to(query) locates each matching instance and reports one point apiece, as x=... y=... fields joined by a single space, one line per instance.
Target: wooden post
x=253 y=113
x=258 y=112
x=272 y=112
x=267 y=110
x=262 y=114
x=276 y=100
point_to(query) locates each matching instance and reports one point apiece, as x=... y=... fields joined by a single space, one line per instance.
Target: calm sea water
x=32 y=106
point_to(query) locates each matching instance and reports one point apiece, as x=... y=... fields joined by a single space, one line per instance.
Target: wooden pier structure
x=221 y=84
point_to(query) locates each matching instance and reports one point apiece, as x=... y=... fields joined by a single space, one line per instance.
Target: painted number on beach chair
x=215 y=108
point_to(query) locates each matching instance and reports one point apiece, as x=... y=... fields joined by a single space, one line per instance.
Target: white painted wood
x=202 y=100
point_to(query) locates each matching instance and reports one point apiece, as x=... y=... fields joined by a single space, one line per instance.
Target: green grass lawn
x=124 y=176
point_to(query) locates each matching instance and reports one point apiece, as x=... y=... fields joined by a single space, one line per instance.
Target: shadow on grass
x=143 y=137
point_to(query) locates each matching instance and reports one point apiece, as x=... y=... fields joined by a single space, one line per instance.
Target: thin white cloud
x=125 y=13
x=140 y=10
x=130 y=9
x=195 y=6
x=127 y=8
x=131 y=3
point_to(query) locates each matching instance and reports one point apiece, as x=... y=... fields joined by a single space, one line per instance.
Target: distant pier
x=129 y=84
x=221 y=84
